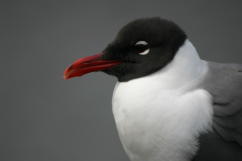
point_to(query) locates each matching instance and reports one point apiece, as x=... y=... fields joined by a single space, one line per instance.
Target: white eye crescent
x=145 y=52
x=143 y=43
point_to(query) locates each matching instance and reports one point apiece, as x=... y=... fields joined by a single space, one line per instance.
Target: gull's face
x=140 y=48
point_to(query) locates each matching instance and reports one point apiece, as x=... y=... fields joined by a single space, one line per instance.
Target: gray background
x=45 y=118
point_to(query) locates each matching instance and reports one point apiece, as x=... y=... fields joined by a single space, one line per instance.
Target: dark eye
x=142 y=47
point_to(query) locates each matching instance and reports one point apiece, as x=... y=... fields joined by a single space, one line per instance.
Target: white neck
x=150 y=112
x=185 y=67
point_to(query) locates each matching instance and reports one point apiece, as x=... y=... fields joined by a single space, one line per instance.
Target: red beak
x=88 y=64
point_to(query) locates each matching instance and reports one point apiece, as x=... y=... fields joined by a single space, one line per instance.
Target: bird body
x=168 y=104
x=162 y=114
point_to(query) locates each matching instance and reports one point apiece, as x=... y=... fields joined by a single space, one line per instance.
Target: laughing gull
x=168 y=103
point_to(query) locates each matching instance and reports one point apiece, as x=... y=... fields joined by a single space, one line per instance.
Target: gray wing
x=224 y=82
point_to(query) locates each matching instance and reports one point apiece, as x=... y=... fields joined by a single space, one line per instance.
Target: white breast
x=159 y=116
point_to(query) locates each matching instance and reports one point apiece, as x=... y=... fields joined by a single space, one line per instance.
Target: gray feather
x=224 y=82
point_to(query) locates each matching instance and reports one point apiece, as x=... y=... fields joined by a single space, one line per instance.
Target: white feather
x=159 y=116
x=141 y=43
x=145 y=52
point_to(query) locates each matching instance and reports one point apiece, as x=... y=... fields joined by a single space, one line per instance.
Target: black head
x=143 y=46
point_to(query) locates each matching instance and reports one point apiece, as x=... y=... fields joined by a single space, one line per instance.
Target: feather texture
x=224 y=83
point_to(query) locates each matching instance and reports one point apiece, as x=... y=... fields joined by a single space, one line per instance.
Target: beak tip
x=66 y=75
